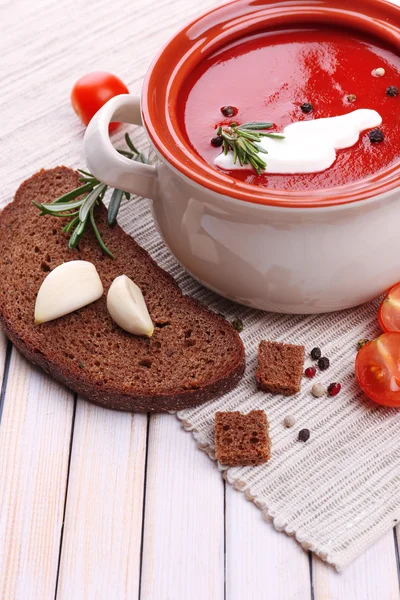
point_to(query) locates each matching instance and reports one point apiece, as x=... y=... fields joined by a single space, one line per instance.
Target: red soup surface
x=268 y=76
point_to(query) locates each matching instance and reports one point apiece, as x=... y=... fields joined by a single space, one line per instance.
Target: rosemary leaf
x=250 y=135
x=235 y=155
x=255 y=165
x=74 y=193
x=125 y=153
x=90 y=201
x=67 y=228
x=261 y=150
x=141 y=158
x=113 y=207
x=278 y=136
x=255 y=125
x=241 y=156
x=130 y=144
x=248 y=146
x=76 y=235
x=88 y=180
x=64 y=215
x=54 y=209
x=97 y=234
x=241 y=143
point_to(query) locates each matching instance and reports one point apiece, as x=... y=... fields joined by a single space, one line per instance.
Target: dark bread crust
x=193 y=356
x=280 y=367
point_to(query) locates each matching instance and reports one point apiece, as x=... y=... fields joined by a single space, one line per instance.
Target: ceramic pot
x=303 y=252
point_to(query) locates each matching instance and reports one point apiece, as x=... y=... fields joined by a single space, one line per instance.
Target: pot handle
x=106 y=164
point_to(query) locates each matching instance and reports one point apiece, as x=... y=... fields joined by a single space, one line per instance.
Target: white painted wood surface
x=183 y=549
x=271 y=564
x=34 y=449
x=196 y=543
x=3 y=349
x=100 y=555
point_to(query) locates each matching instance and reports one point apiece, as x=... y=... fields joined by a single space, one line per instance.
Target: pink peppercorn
x=334 y=389
x=310 y=372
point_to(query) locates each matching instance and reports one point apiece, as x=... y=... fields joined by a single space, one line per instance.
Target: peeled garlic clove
x=127 y=307
x=68 y=287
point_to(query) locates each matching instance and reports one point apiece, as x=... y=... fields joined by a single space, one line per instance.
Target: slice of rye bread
x=194 y=355
x=280 y=367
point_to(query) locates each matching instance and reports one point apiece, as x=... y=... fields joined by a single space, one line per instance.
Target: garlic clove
x=69 y=286
x=127 y=307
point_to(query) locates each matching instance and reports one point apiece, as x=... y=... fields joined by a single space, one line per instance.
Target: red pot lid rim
x=221 y=26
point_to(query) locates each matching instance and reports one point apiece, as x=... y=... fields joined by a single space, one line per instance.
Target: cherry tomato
x=93 y=90
x=389 y=310
x=378 y=369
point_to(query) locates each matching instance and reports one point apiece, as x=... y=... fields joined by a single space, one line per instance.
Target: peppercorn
x=362 y=343
x=237 y=324
x=316 y=353
x=392 y=91
x=323 y=363
x=304 y=435
x=376 y=135
x=318 y=390
x=310 y=372
x=351 y=98
x=217 y=141
x=379 y=72
x=306 y=107
x=334 y=389
x=289 y=421
x=229 y=111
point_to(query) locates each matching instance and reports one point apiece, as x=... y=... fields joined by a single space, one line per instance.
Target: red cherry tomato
x=93 y=90
x=378 y=369
x=389 y=310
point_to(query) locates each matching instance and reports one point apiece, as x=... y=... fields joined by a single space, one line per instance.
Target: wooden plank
x=183 y=548
x=34 y=449
x=397 y=544
x=260 y=562
x=3 y=352
x=373 y=576
x=100 y=555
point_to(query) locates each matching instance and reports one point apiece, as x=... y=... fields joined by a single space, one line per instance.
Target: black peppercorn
x=392 y=91
x=229 y=111
x=376 y=135
x=323 y=363
x=217 y=141
x=238 y=325
x=315 y=353
x=304 y=435
x=306 y=107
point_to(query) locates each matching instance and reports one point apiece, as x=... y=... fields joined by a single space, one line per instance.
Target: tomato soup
x=269 y=76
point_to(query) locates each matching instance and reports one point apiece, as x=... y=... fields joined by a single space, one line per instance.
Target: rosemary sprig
x=243 y=140
x=79 y=204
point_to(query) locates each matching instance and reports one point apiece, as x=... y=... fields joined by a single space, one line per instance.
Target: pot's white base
x=282 y=307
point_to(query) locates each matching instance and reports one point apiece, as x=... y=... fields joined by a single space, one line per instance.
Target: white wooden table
x=100 y=505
